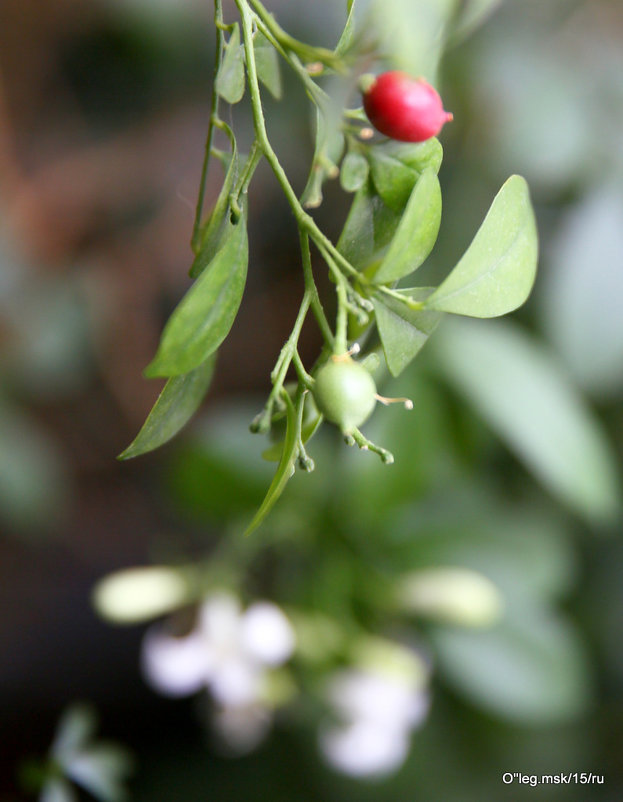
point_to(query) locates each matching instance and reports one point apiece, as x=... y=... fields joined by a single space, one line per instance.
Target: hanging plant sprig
x=389 y=232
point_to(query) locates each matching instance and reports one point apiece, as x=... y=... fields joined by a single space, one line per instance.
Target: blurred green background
x=509 y=465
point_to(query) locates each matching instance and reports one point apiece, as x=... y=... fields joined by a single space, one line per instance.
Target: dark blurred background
x=103 y=114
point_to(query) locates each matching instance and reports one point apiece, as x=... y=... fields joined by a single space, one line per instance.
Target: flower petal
x=235 y=682
x=382 y=700
x=364 y=749
x=266 y=634
x=174 y=666
x=219 y=621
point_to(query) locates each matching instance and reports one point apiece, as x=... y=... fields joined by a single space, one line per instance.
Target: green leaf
x=229 y=82
x=348 y=34
x=353 y=172
x=580 y=296
x=396 y=166
x=409 y=34
x=473 y=14
x=267 y=64
x=327 y=152
x=285 y=469
x=417 y=232
x=496 y=273
x=403 y=331
x=368 y=230
x=206 y=313
x=176 y=404
x=525 y=397
x=531 y=670
x=218 y=225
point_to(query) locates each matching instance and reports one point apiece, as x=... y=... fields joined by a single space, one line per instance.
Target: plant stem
x=310 y=285
x=305 y=51
x=304 y=220
x=398 y=296
x=218 y=21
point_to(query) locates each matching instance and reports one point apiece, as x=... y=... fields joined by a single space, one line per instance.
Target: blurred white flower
x=378 y=710
x=228 y=653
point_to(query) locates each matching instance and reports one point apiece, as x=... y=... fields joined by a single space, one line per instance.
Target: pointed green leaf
x=396 y=166
x=417 y=232
x=348 y=33
x=528 y=400
x=496 y=273
x=229 y=82
x=353 y=172
x=216 y=229
x=267 y=64
x=329 y=147
x=403 y=331
x=175 y=406
x=206 y=313
x=368 y=230
x=285 y=469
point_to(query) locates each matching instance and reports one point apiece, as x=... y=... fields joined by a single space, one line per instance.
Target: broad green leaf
x=206 y=313
x=531 y=670
x=229 y=82
x=496 y=273
x=403 y=331
x=176 y=404
x=416 y=233
x=582 y=291
x=285 y=469
x=353 y=172
x=368 y=230
x=216 y=229
x=525 y=397
x=267 y=64
x=396 y=166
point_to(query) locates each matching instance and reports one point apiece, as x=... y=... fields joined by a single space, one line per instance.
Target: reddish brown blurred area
x=101 y=144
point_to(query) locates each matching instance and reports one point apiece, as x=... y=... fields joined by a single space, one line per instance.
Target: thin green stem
x=303 y=50
x=218 y=21
x=314 y=91
x=310 y=285
x=305 y=221
x=398 y=296
x=367 y=445
x=341 y=328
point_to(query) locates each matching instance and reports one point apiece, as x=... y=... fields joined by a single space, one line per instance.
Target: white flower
x=378 y=711
x=227 y=653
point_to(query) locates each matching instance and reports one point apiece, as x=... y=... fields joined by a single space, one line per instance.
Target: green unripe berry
x=345 y=393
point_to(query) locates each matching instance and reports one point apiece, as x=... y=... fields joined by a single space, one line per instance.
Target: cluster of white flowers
x=229 y=653
x=377 y=712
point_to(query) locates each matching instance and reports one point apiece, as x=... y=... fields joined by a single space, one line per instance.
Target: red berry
x=404 y=108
